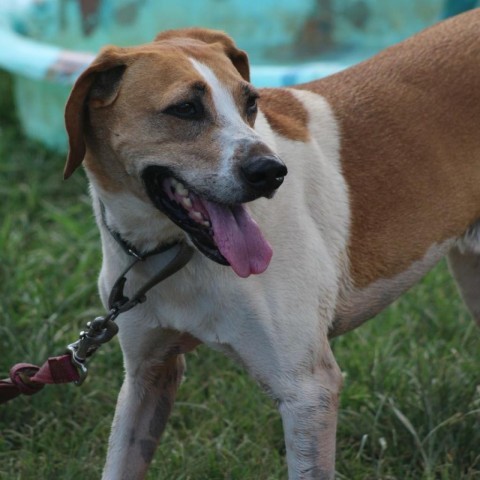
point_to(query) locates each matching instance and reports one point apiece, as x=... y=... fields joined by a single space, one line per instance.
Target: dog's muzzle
x=224 y=232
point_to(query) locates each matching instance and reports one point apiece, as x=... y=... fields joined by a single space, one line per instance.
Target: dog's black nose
x=263 y=174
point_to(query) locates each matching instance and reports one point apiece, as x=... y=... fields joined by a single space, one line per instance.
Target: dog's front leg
x=154 y=366
x=143 y=407
x=309 y=415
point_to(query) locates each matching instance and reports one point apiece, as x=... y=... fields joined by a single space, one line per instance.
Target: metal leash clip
x=100 y=331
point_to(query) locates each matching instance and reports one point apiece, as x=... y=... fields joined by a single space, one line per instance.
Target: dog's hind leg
x=144 y=404
x=465 y=268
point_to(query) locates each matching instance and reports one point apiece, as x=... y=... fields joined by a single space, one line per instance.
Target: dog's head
x=172 y=121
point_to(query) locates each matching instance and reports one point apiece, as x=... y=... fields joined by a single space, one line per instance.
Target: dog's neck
x=126 y=246
x=138 y=223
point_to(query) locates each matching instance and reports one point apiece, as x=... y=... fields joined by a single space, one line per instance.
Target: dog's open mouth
x=226 y=234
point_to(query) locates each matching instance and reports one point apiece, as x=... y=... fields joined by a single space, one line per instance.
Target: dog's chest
x=195 y=299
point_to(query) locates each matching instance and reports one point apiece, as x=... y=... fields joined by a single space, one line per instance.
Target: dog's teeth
x=181 y=190
x=186 y=202
x=174 y=182
x=196 y=216
x=206 y=223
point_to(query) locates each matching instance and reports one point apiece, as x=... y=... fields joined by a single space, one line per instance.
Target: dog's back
x=410 y=154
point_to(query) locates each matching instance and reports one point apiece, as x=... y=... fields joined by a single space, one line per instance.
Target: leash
x=103 y=329
x=28 y=379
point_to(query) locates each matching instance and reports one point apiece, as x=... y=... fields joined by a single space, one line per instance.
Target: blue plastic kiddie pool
x=46 y=44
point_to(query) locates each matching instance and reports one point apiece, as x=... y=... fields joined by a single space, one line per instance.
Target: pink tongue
x=239 y=239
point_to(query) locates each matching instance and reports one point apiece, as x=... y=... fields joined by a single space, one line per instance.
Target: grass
x=410 y=408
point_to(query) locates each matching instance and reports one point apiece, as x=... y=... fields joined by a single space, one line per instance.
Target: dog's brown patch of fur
x=410 y=147
x=285 y=114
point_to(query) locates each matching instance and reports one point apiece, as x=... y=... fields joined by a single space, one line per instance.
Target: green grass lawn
x=410 y=408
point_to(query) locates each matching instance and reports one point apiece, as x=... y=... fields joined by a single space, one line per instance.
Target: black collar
x=126 y=246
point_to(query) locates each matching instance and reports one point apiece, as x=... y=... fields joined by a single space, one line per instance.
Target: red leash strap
x=28 y=379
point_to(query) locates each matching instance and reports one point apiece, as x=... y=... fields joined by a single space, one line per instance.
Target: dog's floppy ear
x=238 y=57
x=97 y=87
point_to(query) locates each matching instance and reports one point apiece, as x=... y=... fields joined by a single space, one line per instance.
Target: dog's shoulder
x=285 y=114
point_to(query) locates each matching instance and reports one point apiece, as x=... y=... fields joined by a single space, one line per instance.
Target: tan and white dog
x=383 y=181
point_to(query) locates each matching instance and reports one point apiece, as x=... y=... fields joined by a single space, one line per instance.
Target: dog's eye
x=252 y=104
x=187 y=110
